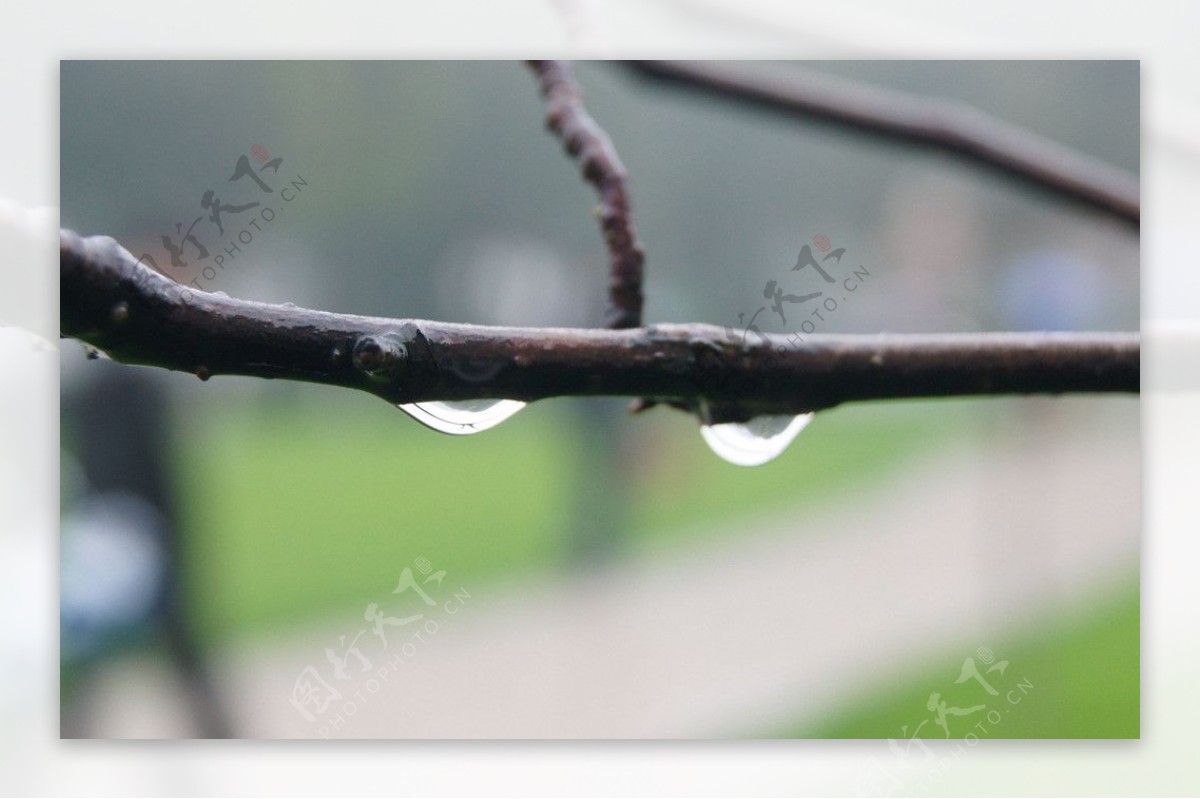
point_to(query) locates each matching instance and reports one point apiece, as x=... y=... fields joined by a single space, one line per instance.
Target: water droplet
x=462 y=417
x=757 y=441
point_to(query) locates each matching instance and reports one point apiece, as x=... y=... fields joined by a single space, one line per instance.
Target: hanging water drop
x=462 y=417
x=755 y=442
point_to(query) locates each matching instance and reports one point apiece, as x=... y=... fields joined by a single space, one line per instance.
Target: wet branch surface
x=585 y=141
x=913 y=119
x=122 y=307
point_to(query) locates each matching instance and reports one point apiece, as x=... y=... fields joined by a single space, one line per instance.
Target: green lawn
x=300 y=508
x=840 y=451
x=314 y=504
x=1076 y=677
x=295 y=512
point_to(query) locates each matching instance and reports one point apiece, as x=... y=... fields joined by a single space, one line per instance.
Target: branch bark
x=913 y=119
x=586 y=141
x=135 y=315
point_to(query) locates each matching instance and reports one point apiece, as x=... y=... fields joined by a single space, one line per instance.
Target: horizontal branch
x=912 y=119
x=135 y=315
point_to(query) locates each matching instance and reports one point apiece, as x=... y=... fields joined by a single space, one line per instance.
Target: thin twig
x=913 y=119
x=586 y=141
x=135 y=315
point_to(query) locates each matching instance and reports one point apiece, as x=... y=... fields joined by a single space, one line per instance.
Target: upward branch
x=586 y=141
x=111 y=301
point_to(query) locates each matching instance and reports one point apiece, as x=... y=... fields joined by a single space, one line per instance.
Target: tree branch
x=134 y=314
x=913 y=119
x=586 y=141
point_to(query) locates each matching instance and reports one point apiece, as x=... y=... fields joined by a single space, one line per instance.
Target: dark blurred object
x=600 y=520
x=121 y=549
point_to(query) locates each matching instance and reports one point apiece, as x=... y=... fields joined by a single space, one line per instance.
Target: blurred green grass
x=1084 y=671
x=298 y=508
x=692 y=492
x=294 y=511
x=311 y=506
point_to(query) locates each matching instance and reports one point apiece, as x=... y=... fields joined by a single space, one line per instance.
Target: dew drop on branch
x=755 y=442
x=462 y=417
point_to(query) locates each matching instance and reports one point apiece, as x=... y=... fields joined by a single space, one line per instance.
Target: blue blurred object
x=112 y=568
x=1052 y=290
x=121 y=555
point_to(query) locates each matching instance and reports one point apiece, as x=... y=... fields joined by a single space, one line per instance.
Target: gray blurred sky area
x=433 y=190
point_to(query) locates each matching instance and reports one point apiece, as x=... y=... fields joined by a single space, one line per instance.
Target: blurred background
x=246 y=558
